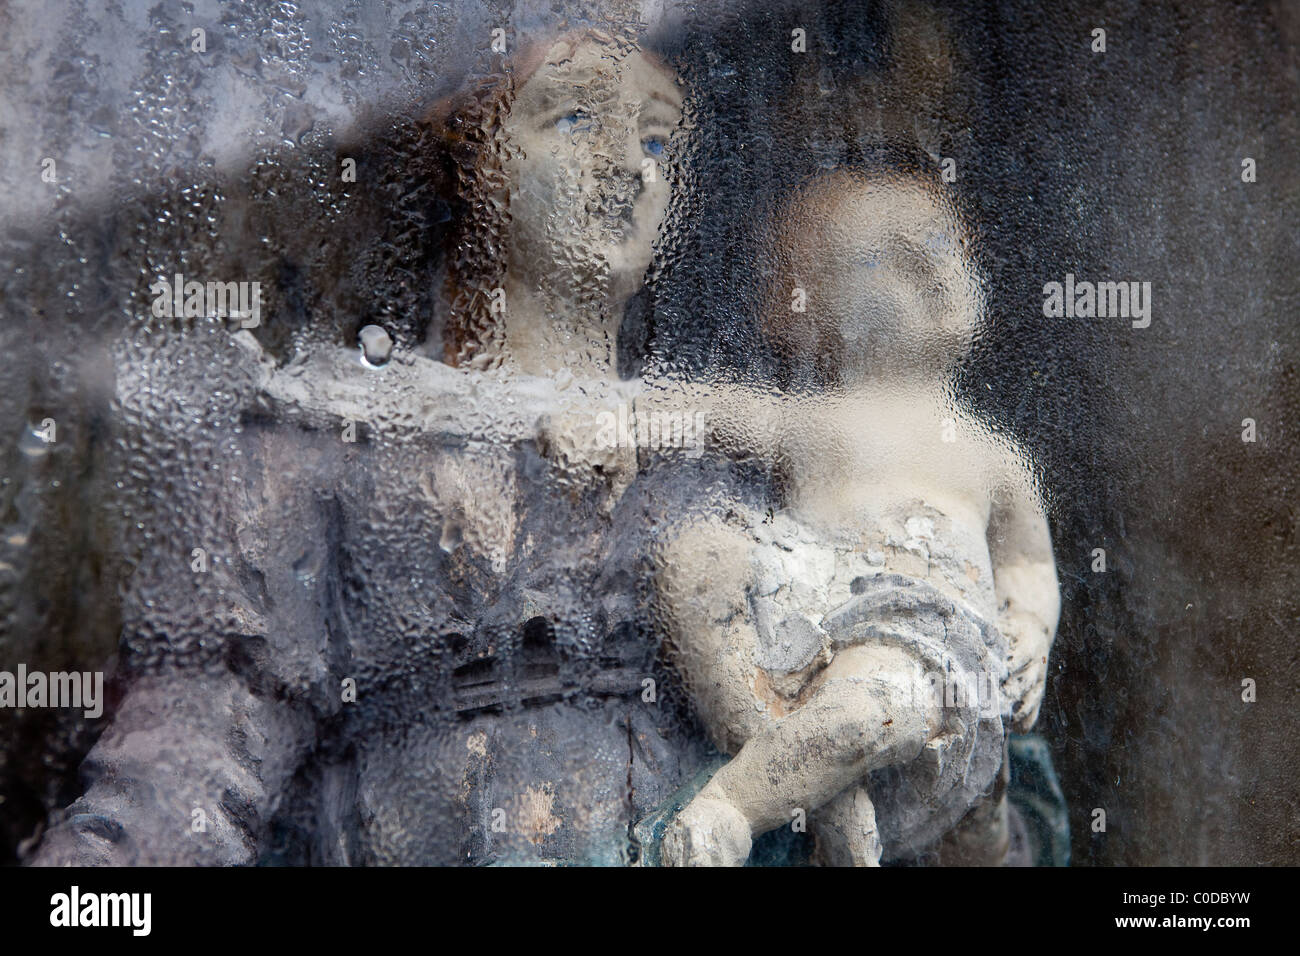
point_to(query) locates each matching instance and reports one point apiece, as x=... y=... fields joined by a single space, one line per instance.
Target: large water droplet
x=376 y=346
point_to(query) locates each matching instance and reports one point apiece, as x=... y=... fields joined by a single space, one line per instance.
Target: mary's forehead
x=570 y=68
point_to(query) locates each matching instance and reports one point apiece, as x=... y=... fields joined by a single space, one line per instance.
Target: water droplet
x=376 y=346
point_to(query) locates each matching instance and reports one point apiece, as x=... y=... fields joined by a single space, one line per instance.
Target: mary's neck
x=546 y=334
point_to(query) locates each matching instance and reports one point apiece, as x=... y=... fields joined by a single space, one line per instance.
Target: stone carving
x=862 y=654
x=561 y=212
x=909 y=547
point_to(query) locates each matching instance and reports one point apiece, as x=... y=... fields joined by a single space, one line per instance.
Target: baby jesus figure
x=862 y=652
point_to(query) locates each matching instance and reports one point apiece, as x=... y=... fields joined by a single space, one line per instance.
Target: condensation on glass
x=641 y=434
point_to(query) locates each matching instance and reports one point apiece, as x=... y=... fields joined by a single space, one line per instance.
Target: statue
x=424 y=634
x=862 y=653
x=390 y=623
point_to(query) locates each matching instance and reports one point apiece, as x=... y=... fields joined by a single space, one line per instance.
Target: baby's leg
x=872 y=709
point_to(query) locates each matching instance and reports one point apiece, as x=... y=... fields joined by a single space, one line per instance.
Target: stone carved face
x=585 y=206
x=890 y=286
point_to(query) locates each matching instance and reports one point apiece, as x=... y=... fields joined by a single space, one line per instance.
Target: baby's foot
x=708 y=832
x=846 y=831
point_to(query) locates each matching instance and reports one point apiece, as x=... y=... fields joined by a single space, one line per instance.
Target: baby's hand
x=1026 y=679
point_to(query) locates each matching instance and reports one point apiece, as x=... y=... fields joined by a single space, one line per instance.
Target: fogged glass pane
x=648 y=434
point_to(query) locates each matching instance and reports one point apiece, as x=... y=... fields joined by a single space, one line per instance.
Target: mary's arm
x=228 y=674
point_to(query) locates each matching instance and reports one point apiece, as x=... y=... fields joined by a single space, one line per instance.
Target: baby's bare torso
x=902 y=484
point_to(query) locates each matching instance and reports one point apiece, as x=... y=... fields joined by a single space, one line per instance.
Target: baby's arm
x=1024 y=578
x=739 y=422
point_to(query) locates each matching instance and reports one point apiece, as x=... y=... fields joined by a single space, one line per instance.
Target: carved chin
x=629 y=259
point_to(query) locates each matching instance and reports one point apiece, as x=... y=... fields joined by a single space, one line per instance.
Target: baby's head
x=888 y=284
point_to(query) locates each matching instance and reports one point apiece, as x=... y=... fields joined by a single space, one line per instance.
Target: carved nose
x=625 y=189
x=637 y=185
